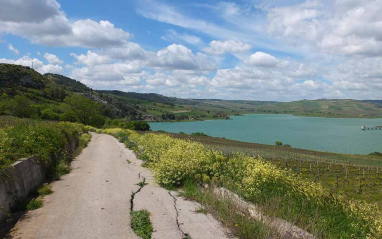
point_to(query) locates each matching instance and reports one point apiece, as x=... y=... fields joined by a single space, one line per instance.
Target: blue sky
x=258 y=50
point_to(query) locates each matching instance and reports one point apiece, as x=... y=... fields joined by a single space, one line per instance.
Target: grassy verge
x=141 y=224
x=353 y=177
x=45 y=140
x=239 y=221
x=277 y=192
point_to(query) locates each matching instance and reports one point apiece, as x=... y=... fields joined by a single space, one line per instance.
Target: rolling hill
x=49 y=91
x=325 y=108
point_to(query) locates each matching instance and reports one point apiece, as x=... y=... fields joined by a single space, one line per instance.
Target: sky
x=280 y=50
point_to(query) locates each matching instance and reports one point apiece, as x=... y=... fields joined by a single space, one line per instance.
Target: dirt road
x=94 y=201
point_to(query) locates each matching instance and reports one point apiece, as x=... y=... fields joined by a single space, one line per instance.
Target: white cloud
x=52 y=59
x=168 y=14
x=173 y=36
x=14 y=50
x=223 y=47
x=179 y=57
x=91 y=58
x=341 y=27
x=44 y=23
x=38 y=65
x=31 y=10
x=262 y=59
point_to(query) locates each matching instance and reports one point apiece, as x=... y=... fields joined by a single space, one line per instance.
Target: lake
x=323 y=134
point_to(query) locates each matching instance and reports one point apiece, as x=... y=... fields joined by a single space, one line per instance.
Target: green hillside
x=325 y=108
x=28 y=94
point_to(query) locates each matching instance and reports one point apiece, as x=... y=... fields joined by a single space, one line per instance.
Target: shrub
x=376 y=154
x=137 y=125
x=34 y=204
x=199 y=134
x=96 y=120
x=41 y=139
x=46 y=189
x=278 y=143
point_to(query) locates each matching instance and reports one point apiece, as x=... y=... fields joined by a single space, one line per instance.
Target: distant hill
x=325 y=108
x=377 y=103
x=50 y=90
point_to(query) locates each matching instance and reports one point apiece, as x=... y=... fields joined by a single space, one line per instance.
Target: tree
x=138 y=125
x=97 y=121
x=20 y=106
x=49 y=114
x=82 y=108
x=69 y=116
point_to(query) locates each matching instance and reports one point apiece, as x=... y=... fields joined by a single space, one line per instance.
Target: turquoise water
x=323 y=134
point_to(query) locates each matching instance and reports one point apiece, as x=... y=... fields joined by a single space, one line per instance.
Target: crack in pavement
x=185 y=235
x=135 y=193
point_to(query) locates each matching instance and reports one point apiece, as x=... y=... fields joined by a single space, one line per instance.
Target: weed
x=7 y=215
x=201 y=210
x=62 y=168
x=141 y=224
x=83 y=141
x=46 y=189
x=34 y=204
x=142 y=183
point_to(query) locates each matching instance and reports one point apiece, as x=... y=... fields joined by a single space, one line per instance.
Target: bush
x=45 y=190
x=41 y=139
x=49 y=114
x=20 y=106
x=69 y=116
x=97 y=121
x=137 y=125
x=198 y=134
x=278 y=143
x=376 y=154
x=34 y=204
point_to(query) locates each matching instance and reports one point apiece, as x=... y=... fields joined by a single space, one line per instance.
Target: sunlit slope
x=324 y=107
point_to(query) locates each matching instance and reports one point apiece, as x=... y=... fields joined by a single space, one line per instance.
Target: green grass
x=142 y=183
x=201 y=210
x=141 y=224
x=44 y=190
x=83 y=141
x=34 y=204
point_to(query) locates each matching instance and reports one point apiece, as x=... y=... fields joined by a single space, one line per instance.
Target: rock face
x=15 y=75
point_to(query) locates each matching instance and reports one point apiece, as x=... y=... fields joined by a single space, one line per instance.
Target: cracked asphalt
x=95 y=199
